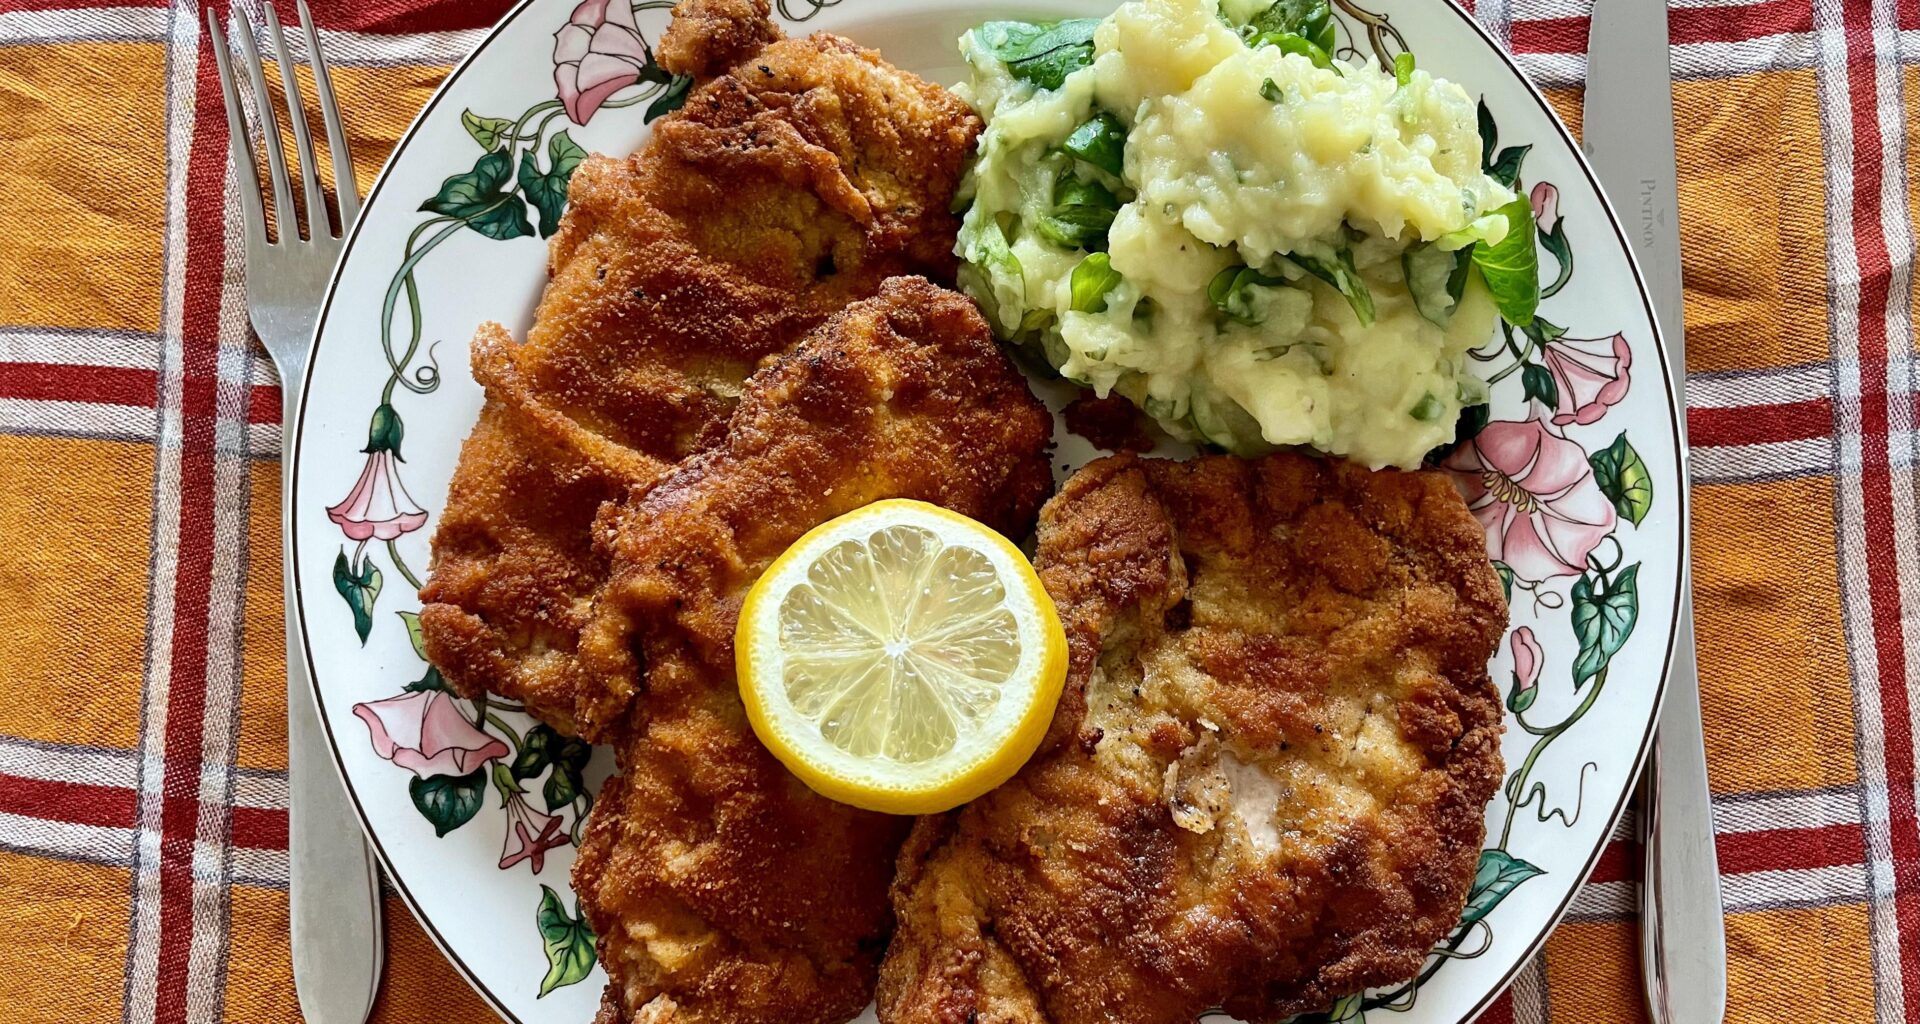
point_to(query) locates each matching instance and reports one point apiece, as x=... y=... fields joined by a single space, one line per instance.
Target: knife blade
x=1629 y=139
x=333 y=884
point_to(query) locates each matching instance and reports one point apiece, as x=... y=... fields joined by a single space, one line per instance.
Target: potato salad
x=1196 y=204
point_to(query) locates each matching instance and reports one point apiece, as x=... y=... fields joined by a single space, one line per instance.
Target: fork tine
x=253 y=215
x=286 y=218
x=302 y=141
x=343 y=182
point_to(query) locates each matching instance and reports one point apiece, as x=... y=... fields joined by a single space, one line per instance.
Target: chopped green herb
x=1082 y=213
x=1338 y=272
x=1428 y=408
x=1403 y=69
x=1436 y=278
x=1311 y=20
x=1091 y=281
x=1101 y=141
x=1044 y=54
x=1293 y=42
x=1231 y=292
x=1271 y=92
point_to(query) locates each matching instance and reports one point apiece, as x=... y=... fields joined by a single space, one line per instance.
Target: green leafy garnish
x=1092 y=279
x=1293 y=42
x=1231 y=292
x=1271 y=92
x=1403 y=69
x=1101 y=141
x=1428 y=408
x=1044 y=54
x=1436 y=278
x=1311 y=20
x=1082 y=213
x=1338 y=271
x=1511 y=266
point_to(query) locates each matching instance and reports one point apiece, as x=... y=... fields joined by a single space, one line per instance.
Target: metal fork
x=333 y=884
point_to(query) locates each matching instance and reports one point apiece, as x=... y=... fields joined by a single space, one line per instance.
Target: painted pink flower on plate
x=530 y=834
x=1534 y=493
x=378 y=507
x=1590 y=374
x=1546 y=206
x=598 y=53
x=427 y=734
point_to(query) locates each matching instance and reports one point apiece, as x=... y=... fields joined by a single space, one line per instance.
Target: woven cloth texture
x=141 y=651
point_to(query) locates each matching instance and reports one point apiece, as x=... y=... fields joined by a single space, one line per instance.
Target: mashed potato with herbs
x=1258 y=244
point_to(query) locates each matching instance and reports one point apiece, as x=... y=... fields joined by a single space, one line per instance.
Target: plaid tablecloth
x=142 y=740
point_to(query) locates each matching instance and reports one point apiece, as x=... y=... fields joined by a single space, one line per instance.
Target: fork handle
x=333 y=883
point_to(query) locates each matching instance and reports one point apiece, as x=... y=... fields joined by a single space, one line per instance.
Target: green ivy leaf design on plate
x=1498 y=874
x=487 y=131
x=1603 y=620
x=448 y=801
x=673 y=99
x=433 y=680
x=1538 y=382
x=1505 y=572
x=568 y=941
x=569 y=756
x=412 y=621
x=536 y=752
x=1505 y=168
x=548 y=191
x=1623 y=478
x=359 y=590
x=480 y=199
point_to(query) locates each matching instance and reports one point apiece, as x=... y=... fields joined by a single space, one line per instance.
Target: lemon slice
x=901 y=658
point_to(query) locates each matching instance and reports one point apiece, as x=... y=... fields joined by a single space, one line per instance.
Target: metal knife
x=1628 y=137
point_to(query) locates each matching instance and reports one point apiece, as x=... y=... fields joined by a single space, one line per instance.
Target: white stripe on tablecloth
x=1765 y=812
x=90 y=420
x=143 y=938
x=91 y=24
x=1768 y=460
x=1734 y=389
x=1798 y=887
x=261 y=869
x=1530 y=1002
x=1843 y=317
x=66 y=840
x=260 y=791
x=80 y=346
x=60 y=762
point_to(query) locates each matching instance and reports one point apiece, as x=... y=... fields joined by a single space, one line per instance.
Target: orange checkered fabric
x=142 y=739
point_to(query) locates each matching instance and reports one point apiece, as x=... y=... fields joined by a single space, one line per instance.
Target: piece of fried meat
x=722 y=889
x=799 y=175
x=1264 y=786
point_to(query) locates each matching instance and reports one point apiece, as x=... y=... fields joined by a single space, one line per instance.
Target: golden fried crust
x=722 y=889
x=1265 y=785
x=706 y=37
x=783 y=190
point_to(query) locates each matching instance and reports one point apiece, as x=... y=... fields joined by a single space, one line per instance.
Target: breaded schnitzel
x=722 y=889
x=799 y=175
x=1264 y=786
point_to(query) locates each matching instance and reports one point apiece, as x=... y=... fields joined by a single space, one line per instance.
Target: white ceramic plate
x=1583 y=503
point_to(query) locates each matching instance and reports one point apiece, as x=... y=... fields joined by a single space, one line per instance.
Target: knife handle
x=1653 y=951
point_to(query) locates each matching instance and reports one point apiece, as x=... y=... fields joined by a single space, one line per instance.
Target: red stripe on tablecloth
x=58 y=382
x=402 y=16
x=1684 y=25
x=186 y=692
x=1501 y=1012
x=1791 y=849
x=263 y=404
x=1883 y=586
x=82 y=804
x=260 y=828
x=1760 y=424
x=1615 y=863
